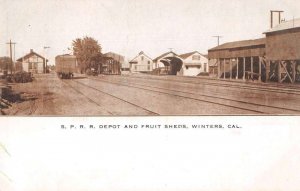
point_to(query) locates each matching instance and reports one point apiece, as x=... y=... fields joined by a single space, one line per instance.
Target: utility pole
x=10 y=53
x=218 y=37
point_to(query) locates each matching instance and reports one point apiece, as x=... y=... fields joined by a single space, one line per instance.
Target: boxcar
x=65 y=66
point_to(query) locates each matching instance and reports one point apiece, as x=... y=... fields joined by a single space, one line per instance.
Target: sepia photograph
x=149 y=95
x=149 y=58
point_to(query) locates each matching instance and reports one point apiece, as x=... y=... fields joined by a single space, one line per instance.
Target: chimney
x=31 y=50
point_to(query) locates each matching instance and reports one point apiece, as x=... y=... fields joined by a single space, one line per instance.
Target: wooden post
x=224 y=68
x=259 y=68
x=230 y=66
x=268 y=65
x=294 y=70
x=244 y=69
x=219 y=67
x=251 y=67
x=279 y=71
x=237 y=68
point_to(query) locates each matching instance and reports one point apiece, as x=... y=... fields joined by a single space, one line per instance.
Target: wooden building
x=168 y=63
x=33 y=62
x=274 y=58
x=240 y=59
x=283 y=52
x=141 y=63
x=110 y=66
x=111 y=63
x=194 y=63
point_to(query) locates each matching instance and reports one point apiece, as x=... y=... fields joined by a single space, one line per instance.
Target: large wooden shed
x=240 y=59
x=283 y=52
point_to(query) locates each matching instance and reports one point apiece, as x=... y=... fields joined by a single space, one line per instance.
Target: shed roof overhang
x=235 y=49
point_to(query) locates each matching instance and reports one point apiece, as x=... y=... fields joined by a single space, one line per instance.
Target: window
x=187 y=67
x=196 y=57
x=148 y=67
x=148 y=62
x=135 y=67
x=35 y=65
x=142 y=58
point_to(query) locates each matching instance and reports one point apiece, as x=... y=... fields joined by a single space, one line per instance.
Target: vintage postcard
x=149 y=95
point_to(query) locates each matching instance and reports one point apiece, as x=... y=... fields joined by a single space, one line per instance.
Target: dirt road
x=48 y=95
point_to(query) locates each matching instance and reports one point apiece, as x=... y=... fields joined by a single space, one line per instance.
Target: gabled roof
x=186 y=55
x=163 y=55
x=31 y=53
x=291 y=24
x=141 y=53
x=240 y=44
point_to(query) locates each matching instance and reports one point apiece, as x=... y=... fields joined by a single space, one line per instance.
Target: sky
x=130 y=26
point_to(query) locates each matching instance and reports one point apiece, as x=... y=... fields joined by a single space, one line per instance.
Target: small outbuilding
x=33 y=62
x=194 y=63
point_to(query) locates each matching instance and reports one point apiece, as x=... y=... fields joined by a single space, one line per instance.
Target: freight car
x=65 y=66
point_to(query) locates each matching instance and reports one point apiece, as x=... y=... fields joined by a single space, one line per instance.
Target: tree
x=87 y=51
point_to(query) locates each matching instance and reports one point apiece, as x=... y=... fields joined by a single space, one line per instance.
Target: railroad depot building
x=188 y=64
x=33 y=62
x=141 y=63
x=167 y=63
x=274 y=58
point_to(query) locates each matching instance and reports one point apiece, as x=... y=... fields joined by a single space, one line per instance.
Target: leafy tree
x=87 y=51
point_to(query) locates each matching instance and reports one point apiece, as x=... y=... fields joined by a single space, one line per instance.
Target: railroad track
x=106 y=93
x=237 y=85
x=228 y=102
x=240 y=81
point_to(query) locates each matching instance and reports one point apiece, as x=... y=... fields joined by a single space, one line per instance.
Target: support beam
x=230 y=66
x=237 y=68
x=284 y=66
x=268 y=65
x=219 y=67
x=294 y=70
x=224 y=64
x=244 y=68
x=279 y=71
x=251 y=67
x=259 y=68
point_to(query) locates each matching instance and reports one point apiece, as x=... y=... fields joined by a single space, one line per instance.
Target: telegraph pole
x=218 y=37
x=10 y=53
